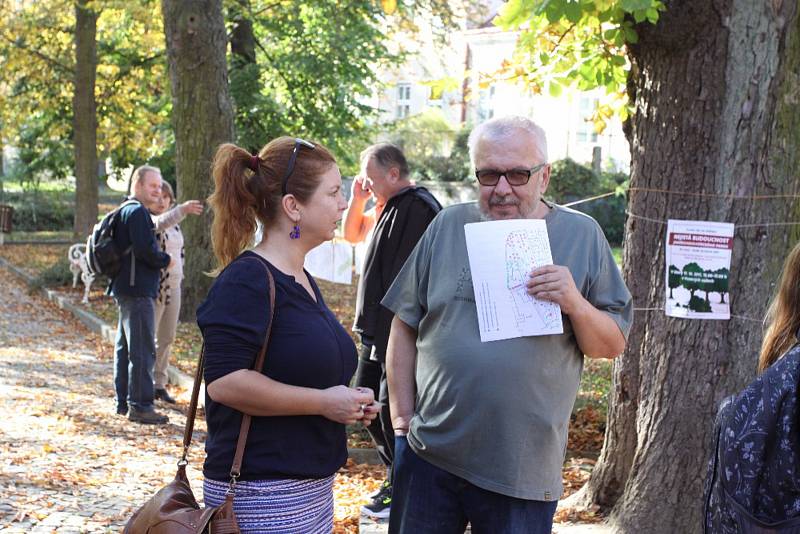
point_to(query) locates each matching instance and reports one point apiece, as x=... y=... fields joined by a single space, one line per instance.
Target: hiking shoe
x=122 y=409
x=149 y=417
x=379 y=505
x=163 y=394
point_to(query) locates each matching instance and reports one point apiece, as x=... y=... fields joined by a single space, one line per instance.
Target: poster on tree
x=698 y=256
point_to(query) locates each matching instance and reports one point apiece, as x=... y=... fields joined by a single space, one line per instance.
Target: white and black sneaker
x=380 y=503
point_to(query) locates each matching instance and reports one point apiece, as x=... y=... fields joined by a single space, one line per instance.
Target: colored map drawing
x=523 y=254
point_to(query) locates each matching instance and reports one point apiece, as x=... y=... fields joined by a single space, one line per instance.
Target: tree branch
x=44 y=57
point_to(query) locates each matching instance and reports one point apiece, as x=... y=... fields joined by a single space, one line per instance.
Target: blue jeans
x=135 y=352
x=429 y=500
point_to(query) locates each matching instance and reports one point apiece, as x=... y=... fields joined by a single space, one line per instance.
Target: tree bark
x=202 y=119
x=716 y=95
x=85 y=120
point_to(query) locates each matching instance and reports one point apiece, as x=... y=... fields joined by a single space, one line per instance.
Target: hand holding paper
x=554 y=283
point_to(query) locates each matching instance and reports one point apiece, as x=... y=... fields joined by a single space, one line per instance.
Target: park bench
x=80 y=267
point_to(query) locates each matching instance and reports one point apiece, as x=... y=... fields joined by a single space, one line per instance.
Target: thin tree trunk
x=202 y=118
x=716 y=111
x=85 y=120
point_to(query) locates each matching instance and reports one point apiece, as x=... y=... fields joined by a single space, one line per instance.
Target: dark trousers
x=429 y=500
x=372 y=374
x=135 y=352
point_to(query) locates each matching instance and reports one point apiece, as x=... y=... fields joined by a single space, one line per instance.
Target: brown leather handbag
x=174 y=510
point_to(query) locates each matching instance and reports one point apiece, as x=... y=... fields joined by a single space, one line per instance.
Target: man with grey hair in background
x=482 y=427
x=392 y=227
x=135 y=288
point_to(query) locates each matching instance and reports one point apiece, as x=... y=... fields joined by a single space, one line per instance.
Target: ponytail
x=233 y=203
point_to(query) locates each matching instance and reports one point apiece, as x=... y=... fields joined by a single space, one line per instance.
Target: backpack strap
x=128 y=202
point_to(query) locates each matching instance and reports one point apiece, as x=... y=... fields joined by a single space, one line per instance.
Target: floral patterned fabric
x=753 y=483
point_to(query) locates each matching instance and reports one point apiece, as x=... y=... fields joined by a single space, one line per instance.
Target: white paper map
x=501 y=256
x=331 y=261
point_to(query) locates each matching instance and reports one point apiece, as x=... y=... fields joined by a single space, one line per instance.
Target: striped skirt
x=287 y=506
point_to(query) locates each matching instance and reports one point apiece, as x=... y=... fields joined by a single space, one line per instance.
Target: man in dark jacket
x=400 y=216
x=135 y=289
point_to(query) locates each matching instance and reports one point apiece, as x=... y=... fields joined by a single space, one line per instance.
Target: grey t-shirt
x=497 y=413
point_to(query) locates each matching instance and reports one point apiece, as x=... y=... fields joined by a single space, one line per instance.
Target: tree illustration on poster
x=692 y=278
x=721 y=283
x=674 y=279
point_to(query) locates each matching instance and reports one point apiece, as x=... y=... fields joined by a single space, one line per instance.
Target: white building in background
x=473 y=52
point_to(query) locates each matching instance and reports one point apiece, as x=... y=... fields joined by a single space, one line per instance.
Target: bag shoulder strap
x=198 y=378
x=259 y=365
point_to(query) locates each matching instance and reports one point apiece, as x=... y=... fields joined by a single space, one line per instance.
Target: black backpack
x=753 y=483
x=103 y=256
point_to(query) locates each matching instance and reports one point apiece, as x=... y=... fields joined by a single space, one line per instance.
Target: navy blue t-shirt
x=308 y=347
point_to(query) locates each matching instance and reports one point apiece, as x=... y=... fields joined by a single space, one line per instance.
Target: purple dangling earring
x=295 y=233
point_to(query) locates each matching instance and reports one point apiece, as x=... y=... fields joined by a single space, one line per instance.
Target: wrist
x=579 y=309
x=319 y=402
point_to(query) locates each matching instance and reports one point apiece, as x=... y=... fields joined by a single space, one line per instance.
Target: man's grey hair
x=138 y=175
x=386 y=156
x=503 y=128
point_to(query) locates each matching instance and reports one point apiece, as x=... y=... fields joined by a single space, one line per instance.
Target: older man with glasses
x=482 y=427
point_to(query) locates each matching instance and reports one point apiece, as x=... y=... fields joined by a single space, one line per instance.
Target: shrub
x=46 y=214
x=57 y=274
x=699 y=305
x=570 y=181
x=423 y=137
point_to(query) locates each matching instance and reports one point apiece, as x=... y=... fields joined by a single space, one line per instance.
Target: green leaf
x=554 y=88
x=554 y=11
x=611 y=34
x=633 y=5
x=573 y=11
x=513 y=14
x=618 y=61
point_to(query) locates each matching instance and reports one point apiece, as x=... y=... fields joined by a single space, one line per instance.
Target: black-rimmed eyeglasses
x=297 y=144
x=514 y=177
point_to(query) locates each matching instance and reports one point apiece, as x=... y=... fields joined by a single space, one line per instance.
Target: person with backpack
x=753 y=483
x=135 y=288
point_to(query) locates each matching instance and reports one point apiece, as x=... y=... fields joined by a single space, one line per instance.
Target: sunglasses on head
x=293 y=159
x=514 y=177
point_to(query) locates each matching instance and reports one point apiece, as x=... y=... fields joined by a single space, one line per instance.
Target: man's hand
x=192 y=207
x=554 y=283
x=360 y=190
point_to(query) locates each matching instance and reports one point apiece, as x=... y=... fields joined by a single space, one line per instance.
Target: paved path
x=68 y=463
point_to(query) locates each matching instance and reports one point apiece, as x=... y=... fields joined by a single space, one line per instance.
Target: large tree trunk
x=85 y=120
x=203 y=119
x=715 y=88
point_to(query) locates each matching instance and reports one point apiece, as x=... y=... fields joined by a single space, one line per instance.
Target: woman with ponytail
x=300 y=402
